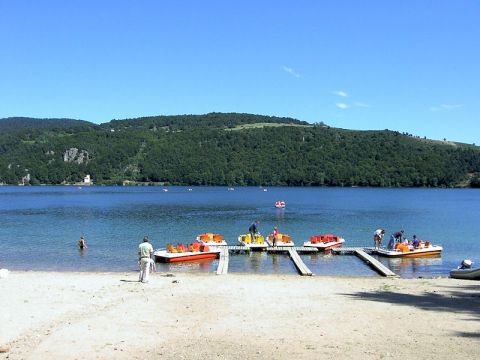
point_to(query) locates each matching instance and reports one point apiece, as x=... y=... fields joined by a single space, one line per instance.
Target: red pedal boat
x=324 y=242
x=195 y=251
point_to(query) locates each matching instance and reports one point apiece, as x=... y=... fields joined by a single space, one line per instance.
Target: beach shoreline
x=87 y=315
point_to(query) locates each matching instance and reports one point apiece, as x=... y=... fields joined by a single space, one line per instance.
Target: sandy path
x=111 y=316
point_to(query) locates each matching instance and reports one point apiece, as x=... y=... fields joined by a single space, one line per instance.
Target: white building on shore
x=87 y=180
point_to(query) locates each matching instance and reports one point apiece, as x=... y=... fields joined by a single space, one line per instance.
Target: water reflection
x=337 y=265
x=255 y=260
x=259 y=262
x=280 y=215
x=414 y=267
x=116 y=218
x=274 y=263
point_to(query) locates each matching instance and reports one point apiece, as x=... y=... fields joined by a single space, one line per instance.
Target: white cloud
x=446 y=107
x=291 y=71
x=340 y=93
x=342 y=105
x=361 y=104
x=450 y=107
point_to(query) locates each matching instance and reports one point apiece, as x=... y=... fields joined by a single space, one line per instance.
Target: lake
x=40 y=226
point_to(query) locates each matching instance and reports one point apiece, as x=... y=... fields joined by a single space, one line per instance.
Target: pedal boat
x=211 y=239
x=283 y=240
x=467 y=274
x=195 y=251
x=324 y=242
x=405 y=251
x=258 y=244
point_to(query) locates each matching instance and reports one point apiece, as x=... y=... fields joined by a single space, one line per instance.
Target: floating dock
x=293 y=252
x=298 y=249
x=238 y=248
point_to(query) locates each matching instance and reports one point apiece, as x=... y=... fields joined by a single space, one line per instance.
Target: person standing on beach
x=145 y=251
x=378 y=237
x=253 y=230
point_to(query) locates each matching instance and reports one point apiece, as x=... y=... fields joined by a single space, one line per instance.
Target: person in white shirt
x=145 y=251
x=378 y=237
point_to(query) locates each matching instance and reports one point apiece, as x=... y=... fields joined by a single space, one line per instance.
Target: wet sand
x=50 y=315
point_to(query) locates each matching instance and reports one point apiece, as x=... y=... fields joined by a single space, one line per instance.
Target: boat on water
x=211 y=239
x=467 y=274
x=465 y=271
x=324 y=242
x=282 y=240
x=258 y=243
x=403 y=250
x=280 y=204
x=192 y=252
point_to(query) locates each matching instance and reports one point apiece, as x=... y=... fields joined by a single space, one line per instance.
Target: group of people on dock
x=395 y=238
x=253 y=230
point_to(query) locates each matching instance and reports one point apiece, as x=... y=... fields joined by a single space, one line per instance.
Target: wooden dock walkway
x=222 y=268
x=351 y=250
x=237 y=248
x=375 y=264
x=299 y=249
x=362 y=253
x=302 y=268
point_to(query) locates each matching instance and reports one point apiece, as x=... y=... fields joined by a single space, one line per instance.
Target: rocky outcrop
x=74 y=155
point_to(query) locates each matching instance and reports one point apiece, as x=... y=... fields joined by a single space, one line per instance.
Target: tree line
x=232 y=150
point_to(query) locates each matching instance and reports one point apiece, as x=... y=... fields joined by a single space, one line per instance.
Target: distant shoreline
x=157 y=184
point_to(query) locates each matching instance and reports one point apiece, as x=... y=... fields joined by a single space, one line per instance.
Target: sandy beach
x=48 y=315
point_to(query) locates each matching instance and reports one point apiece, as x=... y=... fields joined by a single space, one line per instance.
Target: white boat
x=324 y=242
x=258 y=244
x=467 y=274
x=402 y=250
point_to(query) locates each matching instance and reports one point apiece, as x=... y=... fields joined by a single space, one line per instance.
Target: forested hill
x=229 y=149
x=21 y=123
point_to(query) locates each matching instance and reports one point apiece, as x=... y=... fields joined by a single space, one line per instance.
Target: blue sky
x=411 y=66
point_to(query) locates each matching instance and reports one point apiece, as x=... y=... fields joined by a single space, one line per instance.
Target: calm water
x=40 y=226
